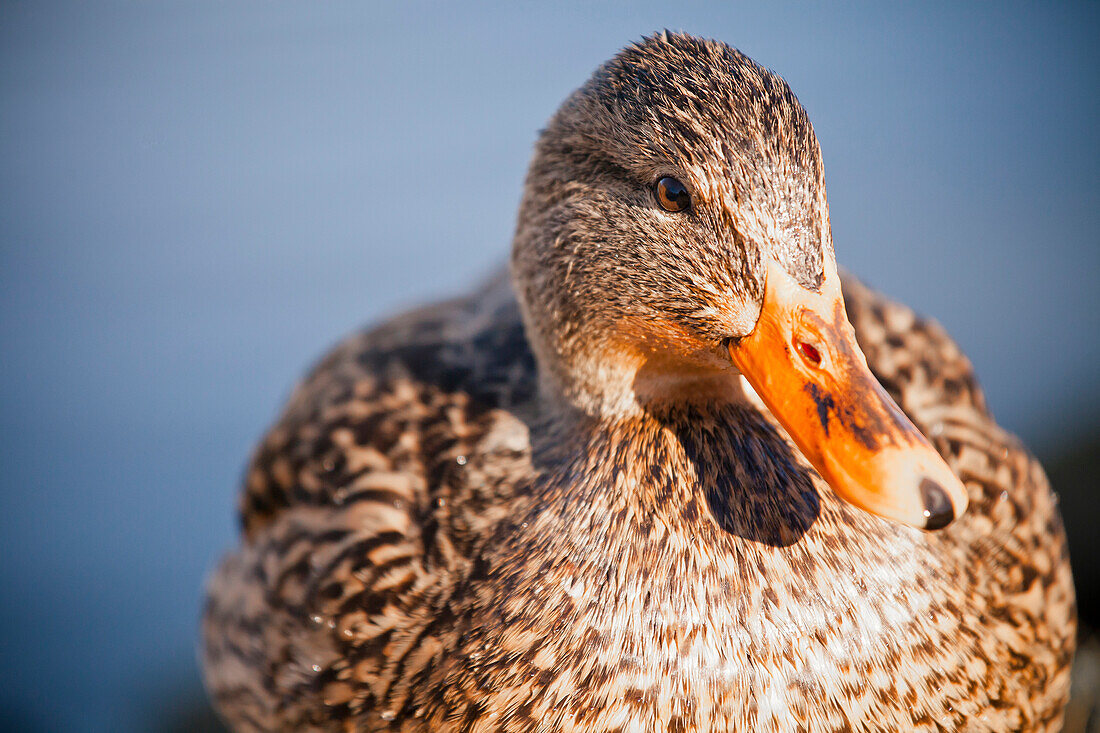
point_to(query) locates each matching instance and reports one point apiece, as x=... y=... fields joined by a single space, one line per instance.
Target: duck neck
x=718 y=470
x=610 y=385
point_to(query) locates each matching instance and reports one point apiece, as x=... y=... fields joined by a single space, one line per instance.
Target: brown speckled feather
x=398 y=575
x=553 y=508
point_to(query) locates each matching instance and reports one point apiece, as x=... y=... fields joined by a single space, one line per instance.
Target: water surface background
x=197 y=198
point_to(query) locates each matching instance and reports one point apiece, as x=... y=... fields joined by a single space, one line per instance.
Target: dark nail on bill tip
x=938 y=511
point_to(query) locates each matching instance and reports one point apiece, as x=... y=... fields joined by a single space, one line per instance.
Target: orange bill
x=803 y=361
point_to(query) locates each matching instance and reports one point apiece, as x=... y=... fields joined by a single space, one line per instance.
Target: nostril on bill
x=809 y=352
x=938 y=510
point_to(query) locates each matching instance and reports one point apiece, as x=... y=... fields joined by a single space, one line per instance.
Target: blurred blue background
x=197 y=198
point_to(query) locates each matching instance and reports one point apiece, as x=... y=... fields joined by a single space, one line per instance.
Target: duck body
x=433 y=541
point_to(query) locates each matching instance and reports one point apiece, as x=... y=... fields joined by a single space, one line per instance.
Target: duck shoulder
x=362 y=511
x=1010 y=549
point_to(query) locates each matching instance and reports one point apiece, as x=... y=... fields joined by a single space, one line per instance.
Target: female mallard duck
x=656 y=486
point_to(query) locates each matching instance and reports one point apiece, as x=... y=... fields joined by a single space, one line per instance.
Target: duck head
x=674 y=241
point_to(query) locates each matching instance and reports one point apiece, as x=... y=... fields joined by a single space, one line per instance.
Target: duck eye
x=672 y=195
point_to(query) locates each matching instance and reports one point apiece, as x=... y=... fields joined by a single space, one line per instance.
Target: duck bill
x=803 y=361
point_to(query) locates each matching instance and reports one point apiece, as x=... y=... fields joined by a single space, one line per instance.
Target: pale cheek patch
x=737 y=317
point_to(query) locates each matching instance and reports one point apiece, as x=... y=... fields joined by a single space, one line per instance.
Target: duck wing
x=363 y=509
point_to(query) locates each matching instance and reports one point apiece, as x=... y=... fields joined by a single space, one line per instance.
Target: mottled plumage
x=486 y=515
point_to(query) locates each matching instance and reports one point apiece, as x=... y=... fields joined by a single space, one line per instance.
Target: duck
x=671 y=470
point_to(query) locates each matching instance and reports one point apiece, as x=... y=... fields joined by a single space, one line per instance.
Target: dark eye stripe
x=672 y=195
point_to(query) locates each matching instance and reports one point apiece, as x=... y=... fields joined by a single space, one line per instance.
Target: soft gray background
x=195 y=199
